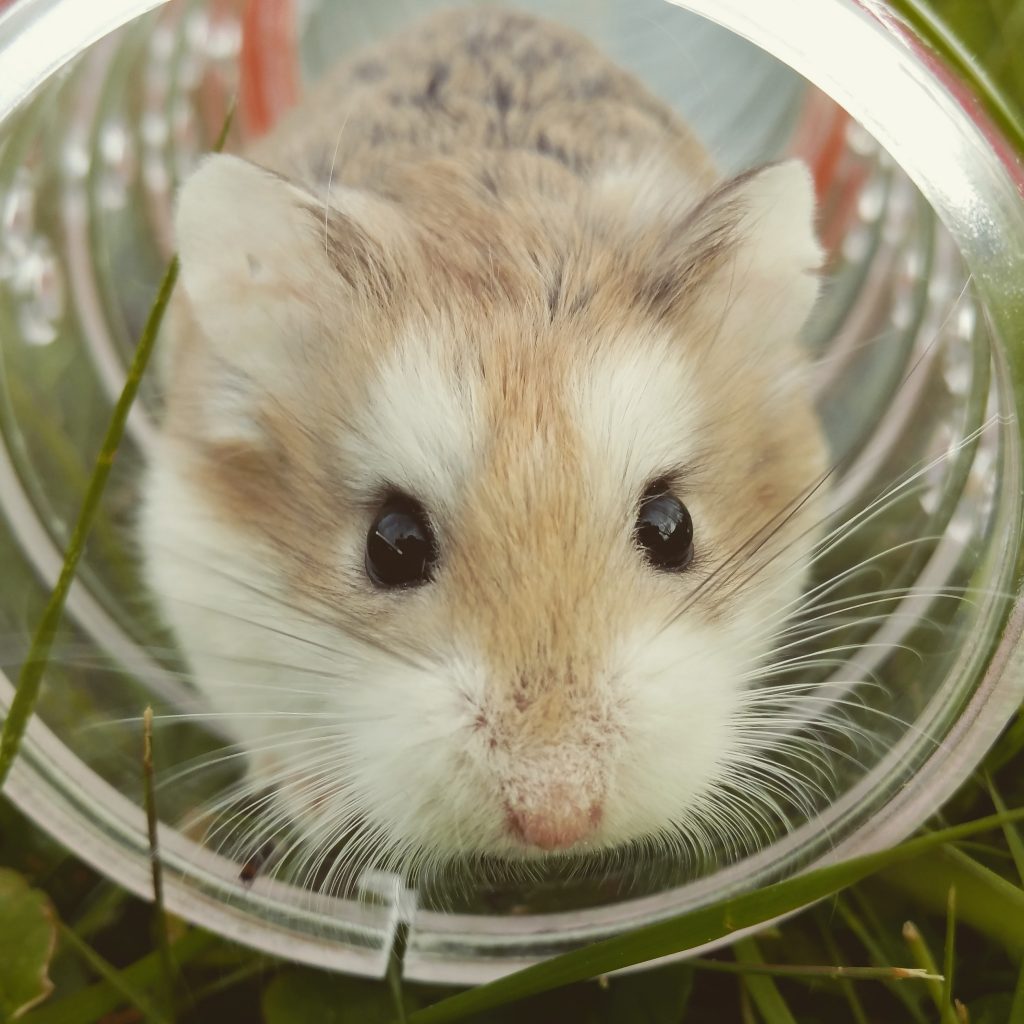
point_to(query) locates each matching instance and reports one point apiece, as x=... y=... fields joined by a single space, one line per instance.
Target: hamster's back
x=471 y=84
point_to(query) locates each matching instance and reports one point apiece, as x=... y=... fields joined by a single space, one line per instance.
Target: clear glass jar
x=920 y=358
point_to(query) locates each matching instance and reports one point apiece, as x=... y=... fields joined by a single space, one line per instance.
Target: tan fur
x=466 y=84
x=494 y=140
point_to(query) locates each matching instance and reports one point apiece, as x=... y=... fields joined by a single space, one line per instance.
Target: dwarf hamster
x=488 y=467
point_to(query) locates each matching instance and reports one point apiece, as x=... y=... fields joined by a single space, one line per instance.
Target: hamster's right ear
x=261 y=257
x=248 y=254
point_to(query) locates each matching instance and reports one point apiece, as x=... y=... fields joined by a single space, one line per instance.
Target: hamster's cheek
x=414 y=770
x=682 y=694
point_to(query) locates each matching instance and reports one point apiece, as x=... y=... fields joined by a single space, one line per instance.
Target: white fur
x=245 y=258
x=639 y=407
x=651 y=192
x=774 y=283
x=420 y=427
x=391 y=747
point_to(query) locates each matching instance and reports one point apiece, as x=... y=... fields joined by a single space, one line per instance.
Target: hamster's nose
x=555 y=823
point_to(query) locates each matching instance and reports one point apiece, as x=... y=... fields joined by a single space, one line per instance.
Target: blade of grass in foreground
x=763 y=991
x=694 y=928
x=1013 y=837
x=919 y=950
x=948 y=1011
x=846 y=987
x=874 y=937
x=1017 y=1009
x=91 y=1004
x=987 y=902
x=115 y=979
x=160 y=936
x=31 y=676
x=825 y=971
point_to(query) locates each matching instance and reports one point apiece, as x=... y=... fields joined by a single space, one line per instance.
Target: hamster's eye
x=400 y=548
x=664 y=529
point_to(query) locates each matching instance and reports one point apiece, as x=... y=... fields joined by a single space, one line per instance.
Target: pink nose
x=555 y=825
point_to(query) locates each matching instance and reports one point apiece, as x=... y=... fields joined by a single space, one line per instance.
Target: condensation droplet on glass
x=940 y=451
x=871 y=201
x=966 y=318
x=912 y=265
x=154 y=129
x=982 y=478
x=957 y=358
x=197 y=30
x=16 y=213
x=224 y=40
x=42 y=299
x=860 y=140
x=34 y=328
x=115 y=146
x=38 y=282
x=75 y=159
x=902 y=210
x=904 y=310
x=161 y=44
x=117 y=152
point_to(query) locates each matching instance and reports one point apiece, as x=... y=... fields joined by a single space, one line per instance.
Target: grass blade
x=746 y=1008
x=113 y=977
x=868 y=932
x=949 y=1014
x=1009 y=746
x=30 y=677
x=923 y=958
x=988 y=902
x=1017 y=1008
x=93 y=1003
x=231 y=979
x=394 y=972
x=766 y=997
x=694 y=928
x=1013 y=837
x=848 y=989
x=828 y=971
x=159 y=914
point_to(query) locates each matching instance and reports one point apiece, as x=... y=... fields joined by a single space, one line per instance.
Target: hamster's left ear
x=765 y=222
x=747 y=256
x=777 y=218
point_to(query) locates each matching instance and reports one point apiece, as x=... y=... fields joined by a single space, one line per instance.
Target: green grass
x=107 y=968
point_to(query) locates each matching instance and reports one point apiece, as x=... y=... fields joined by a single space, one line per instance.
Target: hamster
x=488 y=468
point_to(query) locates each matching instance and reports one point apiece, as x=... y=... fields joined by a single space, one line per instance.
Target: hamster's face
x=476 y=516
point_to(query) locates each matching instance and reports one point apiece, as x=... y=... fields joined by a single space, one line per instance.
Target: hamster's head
x=477 y=506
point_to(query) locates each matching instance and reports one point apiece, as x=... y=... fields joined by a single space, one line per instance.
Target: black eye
x=664 y=530
x=400 y=548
